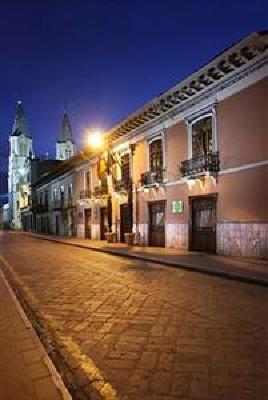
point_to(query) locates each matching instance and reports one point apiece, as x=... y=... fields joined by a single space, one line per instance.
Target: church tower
x=20 y=152
x=65 y=147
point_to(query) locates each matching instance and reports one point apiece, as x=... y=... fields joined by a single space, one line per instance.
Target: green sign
x=177 y=206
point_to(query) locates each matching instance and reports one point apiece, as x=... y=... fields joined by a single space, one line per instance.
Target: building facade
x=188 y=170
x=24 y=168
x=21 y=150
x=197 y=161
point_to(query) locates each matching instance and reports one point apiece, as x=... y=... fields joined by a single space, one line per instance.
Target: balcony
x=100 y=191
x=40 y=208
x=58 y=204
x=207 y=164
x=85 y=194
x=121 y=185
x=69 y=203
x=152 y=178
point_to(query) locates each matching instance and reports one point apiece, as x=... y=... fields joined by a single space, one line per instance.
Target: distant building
x=24 y=169
x=21 y=150
x=65 y=147
x=3 y=169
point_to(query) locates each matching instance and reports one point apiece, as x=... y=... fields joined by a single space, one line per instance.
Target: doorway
x=57 y=225
x=125 y=221
x=88 y=220
x=103 y=222
x=157 y=224
x=203 y=223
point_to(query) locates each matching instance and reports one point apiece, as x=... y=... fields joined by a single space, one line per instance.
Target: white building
x=21 y=151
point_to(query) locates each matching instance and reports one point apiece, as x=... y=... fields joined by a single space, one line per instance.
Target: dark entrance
x=103 y=222
x=203 y=223
x=157 y=224
x=88 y=224
x=125 y=221
x=57 y=225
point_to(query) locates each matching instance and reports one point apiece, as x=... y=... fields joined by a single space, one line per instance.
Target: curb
x=235 y=276
x=55 y=376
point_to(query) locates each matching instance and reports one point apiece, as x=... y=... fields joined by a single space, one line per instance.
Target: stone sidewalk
x=246 y=270
x=26 y=372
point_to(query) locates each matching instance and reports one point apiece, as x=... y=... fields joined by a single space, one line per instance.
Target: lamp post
x=96 y=141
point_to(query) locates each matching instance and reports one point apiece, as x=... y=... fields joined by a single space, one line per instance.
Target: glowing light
x=95 y=139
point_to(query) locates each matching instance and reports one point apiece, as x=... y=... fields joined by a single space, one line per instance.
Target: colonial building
x=24 y=169
x=188 y=170
x=21 y=150
x=54 y=197
x=196 y=159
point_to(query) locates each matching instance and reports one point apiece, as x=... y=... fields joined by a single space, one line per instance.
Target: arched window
x=202 y=137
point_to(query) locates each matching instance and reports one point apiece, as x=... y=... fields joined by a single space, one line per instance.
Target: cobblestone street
x=125 y=329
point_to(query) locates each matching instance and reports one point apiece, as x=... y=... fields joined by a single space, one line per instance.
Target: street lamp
x=96 y=141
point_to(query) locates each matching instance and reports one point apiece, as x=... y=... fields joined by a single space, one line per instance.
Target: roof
x=19 y=127
x=63 y=168
x=232 y=59
x=66 y=132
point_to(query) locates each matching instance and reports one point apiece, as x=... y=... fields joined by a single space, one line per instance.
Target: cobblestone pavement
x=136 y=331
x=24 y=374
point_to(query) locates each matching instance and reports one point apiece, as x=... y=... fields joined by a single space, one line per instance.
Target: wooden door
x=203 y=223
x=103 y=222
x=88 y=221
x=125 y=221
x=157 y=224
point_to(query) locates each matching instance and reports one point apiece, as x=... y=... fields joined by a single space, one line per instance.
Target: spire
x=19 y=126
x=66 y=129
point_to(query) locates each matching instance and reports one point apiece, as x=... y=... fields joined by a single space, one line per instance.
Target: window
x=70 y=191
x=202 y=137
x=156 y=155
x=87 y=180
x=125 y=168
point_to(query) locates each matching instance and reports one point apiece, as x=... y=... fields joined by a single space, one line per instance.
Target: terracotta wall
x=242 y=122
x=244 y=195
x=176 y=149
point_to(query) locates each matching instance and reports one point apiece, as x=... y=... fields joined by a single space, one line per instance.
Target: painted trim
x=243 y=167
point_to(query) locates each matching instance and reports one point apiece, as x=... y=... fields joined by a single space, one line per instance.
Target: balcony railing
x=152 y=178
x=121 y=185
x=85 y=194
x=58 y=204
x=40 y=208
x=100 y=190
x=200 y=165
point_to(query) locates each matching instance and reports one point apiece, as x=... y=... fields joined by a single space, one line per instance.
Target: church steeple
x=66 y=129
x=19 y=126
x=65 y=147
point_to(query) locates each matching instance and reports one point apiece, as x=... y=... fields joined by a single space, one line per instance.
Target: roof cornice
x=226 y=65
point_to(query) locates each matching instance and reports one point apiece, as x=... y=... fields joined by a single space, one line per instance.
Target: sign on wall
x=177 y=206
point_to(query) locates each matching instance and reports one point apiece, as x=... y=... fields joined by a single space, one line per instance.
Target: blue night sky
x=106 y=58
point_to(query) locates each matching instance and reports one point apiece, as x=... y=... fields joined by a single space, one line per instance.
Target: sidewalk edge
x=56 y=378
x=236 y=276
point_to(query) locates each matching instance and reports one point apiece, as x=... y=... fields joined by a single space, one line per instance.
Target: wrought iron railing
x=58 y=204
x=121 y=185
x=100 y=190
x=151 y=178
x=40 y=208
x=85 y=194
x=199 y=165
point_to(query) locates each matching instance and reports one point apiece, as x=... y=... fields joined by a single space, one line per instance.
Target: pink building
x=196 y=158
